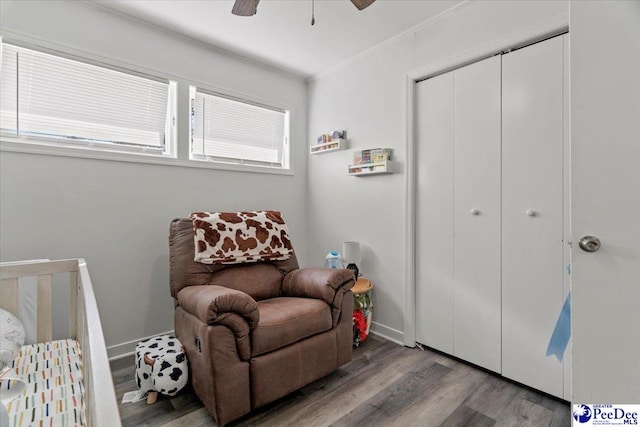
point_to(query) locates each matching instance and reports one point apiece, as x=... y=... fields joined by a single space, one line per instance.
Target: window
x=228 y=130
x=54 y=100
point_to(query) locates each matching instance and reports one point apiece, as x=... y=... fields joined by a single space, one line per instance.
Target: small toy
x=161 y=366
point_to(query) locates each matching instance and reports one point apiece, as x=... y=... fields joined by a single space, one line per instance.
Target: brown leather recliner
x=255 y=332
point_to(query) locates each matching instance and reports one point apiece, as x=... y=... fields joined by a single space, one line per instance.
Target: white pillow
x=11 y=338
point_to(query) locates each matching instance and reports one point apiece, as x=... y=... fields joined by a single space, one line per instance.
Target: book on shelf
x=373 y=155
x=336 y=136
x=379 y=155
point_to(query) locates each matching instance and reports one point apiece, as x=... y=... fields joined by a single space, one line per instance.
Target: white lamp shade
x=351 y=252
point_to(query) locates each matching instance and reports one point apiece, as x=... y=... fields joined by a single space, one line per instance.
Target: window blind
x=67 y=100
x=234 y=131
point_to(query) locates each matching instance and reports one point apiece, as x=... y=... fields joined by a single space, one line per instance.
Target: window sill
x=88 y=153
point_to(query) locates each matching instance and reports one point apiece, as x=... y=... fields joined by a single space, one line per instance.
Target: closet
x=492 y=213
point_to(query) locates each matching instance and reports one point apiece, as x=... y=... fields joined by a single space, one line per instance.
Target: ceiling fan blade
x=362 y=4
x=245 y=7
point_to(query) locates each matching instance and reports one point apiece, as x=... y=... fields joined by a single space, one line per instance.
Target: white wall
x=116 y=214
x=367 y=98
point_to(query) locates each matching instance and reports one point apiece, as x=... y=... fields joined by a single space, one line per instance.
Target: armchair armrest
x=327 y=284
x=216 y=304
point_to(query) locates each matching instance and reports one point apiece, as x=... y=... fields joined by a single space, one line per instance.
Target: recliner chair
x=254 y=332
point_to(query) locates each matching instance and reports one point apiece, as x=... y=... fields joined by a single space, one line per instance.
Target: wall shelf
x=333 y=145
x=377 y=168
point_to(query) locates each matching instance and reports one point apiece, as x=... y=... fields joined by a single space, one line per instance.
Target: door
x=434 y=210
x=476 y=217
x=533 y=267
x=605 y=190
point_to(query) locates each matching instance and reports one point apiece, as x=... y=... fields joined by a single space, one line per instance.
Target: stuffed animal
x=11 y=338
x=161 y=366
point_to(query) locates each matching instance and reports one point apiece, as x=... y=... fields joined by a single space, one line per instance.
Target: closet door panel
x=434 y=216
x=532 y=215
x=477 y=336
x=566 y=203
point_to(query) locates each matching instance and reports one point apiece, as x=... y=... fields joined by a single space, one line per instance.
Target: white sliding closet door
x=533 y=268
x=434 y=233
x=476 y=324
x=492 y=212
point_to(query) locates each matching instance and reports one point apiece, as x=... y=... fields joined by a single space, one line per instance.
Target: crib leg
x=152 y=397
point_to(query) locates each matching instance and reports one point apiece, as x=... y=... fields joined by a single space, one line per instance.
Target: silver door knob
x=530 y=212
x=589 y=243
x=475 y=212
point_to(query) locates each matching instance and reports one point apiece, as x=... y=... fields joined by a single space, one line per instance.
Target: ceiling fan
x=249 y=7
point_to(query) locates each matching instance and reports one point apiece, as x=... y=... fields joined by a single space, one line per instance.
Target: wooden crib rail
x=84 y=326
x=44 y=271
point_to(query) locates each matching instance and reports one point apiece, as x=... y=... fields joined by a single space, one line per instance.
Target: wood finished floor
x=384 y=385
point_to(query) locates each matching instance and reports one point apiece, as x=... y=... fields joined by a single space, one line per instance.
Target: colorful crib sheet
x=54 y=390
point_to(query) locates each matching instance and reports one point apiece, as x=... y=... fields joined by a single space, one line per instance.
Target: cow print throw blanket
x=240 y=237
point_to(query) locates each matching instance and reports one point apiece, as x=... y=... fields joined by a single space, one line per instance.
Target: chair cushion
x=260 y=281
x=286 y=320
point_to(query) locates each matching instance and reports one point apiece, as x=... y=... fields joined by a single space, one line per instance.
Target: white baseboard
x=387 y=333
x=128 y=348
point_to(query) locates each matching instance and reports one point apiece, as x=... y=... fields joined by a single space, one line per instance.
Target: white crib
x=100 y=405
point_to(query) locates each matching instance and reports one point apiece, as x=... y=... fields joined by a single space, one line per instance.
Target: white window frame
x=67 y=146
x=242 y=164
x=180 y=132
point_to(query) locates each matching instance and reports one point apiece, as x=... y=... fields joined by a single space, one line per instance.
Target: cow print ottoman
x=161 y=366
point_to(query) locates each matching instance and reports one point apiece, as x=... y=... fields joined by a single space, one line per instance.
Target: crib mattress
x=54 y=390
